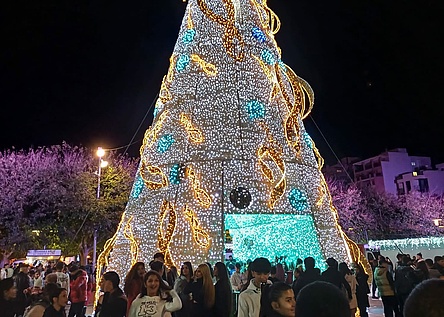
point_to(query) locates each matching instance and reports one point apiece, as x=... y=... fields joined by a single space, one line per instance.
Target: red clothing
x=79 y=286
x=132 y=290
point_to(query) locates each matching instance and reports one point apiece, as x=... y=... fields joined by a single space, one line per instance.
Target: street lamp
x=102 y=164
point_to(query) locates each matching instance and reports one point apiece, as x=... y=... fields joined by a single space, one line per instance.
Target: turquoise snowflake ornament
x=255 y=110
x=165 y=143
x=298 y=200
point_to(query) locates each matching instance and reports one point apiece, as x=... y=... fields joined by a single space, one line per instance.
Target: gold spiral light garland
x=164 y=238
x=200 y=235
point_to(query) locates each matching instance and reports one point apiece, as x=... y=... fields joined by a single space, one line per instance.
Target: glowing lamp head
x=100 y=152
x=103 y=164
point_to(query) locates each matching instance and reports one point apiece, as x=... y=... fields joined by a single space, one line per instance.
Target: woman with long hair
x=59 y=300
x=38 y=307
x=8 y=293
x=223 y=292
x=134 y=282
x=362 y=290
x=278 y=300
x=351 y=280
x=202 y=293
x=185 y=278
x=156 y=298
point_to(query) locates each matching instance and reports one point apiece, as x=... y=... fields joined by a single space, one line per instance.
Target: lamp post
x=102 y=164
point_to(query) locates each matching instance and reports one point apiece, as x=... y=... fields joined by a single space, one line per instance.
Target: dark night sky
x=86 y=72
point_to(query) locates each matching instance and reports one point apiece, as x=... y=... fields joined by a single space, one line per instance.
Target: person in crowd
x=24 y=288
x=202 y=292
x=280 y=272
x=100 y=299
x=8 y=294
x=62 y=277
x=156 y=299
x=374 y=264
x=6 y=271
x=249 y=303
x=159 y=267
x=419 y=257
x=420 y=273
x=362 y=290
x=426 y=300
x=246 y=276
x=37 y=286
x=38 y=307
x=332 y=275
x=278 y=301
x=223 y=293
x=51 y=278
x=403 y=281
x=438 y=265
x=134 y=282
x=213 y=278
x=59 y=299
x=236 y=278
x=386 y=288
x=114 y=301
x=172 y=275
x=185 y=278
x=351 y=280
x=160 y=257
x=310 y=275
x=79 y=291
x=272 y=276
x=322 y=299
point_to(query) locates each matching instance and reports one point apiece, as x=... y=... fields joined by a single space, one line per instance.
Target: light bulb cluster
x=228 y=132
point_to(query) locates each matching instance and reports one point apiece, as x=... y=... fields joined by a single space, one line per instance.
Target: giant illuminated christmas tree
x=227 y=159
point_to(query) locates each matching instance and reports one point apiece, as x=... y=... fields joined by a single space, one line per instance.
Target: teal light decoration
x=175 y=174
x=137 y=187
x=156 y=112
x=255 y=110
x=298 y=200
x=188 y=36
x=282 y=65
x=182 y=62
x=265 y=235
x=268 y=57
x=165 y=143
x=308 y=140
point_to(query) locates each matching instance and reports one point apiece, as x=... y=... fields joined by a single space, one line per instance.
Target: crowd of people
x=410 y=287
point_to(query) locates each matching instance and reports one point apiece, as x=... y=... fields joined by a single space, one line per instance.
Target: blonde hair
x=208 y=287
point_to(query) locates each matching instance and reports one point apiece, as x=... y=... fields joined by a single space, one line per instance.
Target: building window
x=413 y=163
x=423 y=185
x=401 y=190
x=409 y=186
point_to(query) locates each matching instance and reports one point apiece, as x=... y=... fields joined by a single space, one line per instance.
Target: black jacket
x=114 y=304
x=333 y=276
x=307 y=277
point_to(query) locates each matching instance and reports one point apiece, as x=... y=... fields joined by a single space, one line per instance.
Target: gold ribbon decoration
x=200 y=236
x=199 y=193
x=269 y=20
x=153 y=176
x=134 y=246
x=194 y=134
x=103 y=258
x=164 y=94
x=274 y=152
x=208 y=68
x=231 y=33
x=164 y=238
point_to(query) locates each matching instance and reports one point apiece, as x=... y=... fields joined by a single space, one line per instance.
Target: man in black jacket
x=333 y=276
x=311 y=274
x=114 y=300
x=403 y=282
x=23 y=284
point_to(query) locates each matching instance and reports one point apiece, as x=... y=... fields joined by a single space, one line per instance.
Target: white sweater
x=249 y=304
x=153 y=306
